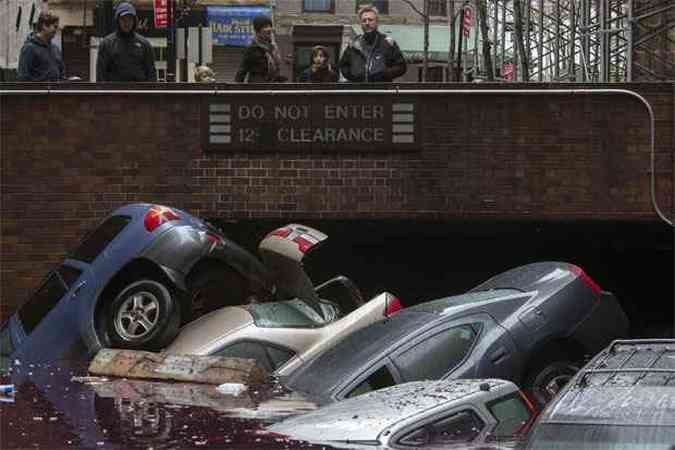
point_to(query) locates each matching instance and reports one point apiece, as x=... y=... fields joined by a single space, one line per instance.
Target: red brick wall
x=67 y=160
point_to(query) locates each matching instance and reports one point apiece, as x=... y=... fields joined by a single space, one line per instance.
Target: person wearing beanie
x=371 y=56
x=40 y=59
x=320 y=71
x=261 y=62
x=125 y=55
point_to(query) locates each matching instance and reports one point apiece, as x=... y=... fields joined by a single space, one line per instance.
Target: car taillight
x=158 y=215
x=303 y=244
x=525 y=427
x=281 y=232
x=588 y=281
x=393 y=306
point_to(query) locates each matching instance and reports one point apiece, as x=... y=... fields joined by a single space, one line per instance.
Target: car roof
x=631 y=382
x=364 y=417
x=321 y=375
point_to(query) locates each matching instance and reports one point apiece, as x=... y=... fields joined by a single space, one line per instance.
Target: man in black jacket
x=40 y=59
x=371 y=56
x=125 y=55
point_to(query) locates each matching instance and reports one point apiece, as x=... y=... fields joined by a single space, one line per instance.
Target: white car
x=468 y=413
x=278 y=335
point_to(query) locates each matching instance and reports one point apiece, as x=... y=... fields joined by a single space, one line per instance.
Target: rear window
x=41 y=302
x=511 y=413
x=440 y=305
x=94 y=243
x=289 y=314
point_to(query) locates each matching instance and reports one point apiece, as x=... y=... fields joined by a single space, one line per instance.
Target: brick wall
x=68 y=159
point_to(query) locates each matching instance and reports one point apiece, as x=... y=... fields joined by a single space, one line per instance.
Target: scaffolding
x=577 y=40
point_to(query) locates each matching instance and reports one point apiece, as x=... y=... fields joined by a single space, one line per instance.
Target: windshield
x=551 y=436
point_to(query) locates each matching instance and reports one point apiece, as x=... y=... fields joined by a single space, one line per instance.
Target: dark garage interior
x=419 y=261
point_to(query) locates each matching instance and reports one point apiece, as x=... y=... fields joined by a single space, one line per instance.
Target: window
x=289 y=314
x=438 y=8
x=463 y=426
x=318 y=6
x=438 y=354
x=41 y=302
x=379 y=379
x=96 y=241
x=266 y=356
x=381 y=5
x=511 y=413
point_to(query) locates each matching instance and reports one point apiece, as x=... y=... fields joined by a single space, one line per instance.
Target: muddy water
x=60 y=407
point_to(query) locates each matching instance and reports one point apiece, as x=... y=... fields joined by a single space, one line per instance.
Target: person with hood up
x=125 y=55
x=320 y=71
x=261 y=62
x=371 y=56
x=40 y=59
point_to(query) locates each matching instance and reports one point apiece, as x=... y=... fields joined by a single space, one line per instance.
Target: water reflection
x=54 y=408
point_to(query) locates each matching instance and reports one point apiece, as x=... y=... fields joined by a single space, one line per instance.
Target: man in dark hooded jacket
x=372 y=56
x=40 y=59
x=125 y=55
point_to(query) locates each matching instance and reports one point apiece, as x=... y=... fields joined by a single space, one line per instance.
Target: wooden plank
x=196 y=369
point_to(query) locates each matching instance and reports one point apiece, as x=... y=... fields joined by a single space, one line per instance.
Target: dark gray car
x=624 y=398
x=531 y=325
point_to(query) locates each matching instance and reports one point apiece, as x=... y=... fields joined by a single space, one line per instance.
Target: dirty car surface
x=422 y=414
x=530 y=325
x=130 y=283
x=624 y=398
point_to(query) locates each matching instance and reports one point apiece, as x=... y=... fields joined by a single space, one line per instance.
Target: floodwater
x=60 y=407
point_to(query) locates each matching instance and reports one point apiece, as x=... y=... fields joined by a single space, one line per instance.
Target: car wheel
x=143 y=316
x=215 y=287
x=543 y=383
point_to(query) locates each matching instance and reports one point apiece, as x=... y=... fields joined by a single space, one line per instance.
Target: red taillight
x=281 y=232
x=525 y=427
x=303 y=244
x=588 y=281
x=393 y=306
x=157 y=215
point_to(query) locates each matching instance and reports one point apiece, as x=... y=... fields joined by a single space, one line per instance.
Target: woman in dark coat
x=320 y=71
x=261 y=62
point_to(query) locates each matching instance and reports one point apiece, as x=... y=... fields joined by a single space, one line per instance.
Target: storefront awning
x=410 y=39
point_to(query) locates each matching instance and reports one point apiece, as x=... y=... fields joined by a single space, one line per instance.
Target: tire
x=214 y=287
x=143 y=316
x=547 y=379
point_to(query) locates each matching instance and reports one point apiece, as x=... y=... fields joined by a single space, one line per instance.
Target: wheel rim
x=137 y=316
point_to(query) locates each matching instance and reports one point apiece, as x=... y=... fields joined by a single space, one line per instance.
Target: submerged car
x=278 y=335
x=531 y=325
x=138 y=276
x=418 y=414
x=622 y=399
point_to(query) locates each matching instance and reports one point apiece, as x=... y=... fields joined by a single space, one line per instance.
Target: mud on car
x=131 y=283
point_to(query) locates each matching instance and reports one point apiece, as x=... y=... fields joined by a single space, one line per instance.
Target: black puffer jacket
x=39 y=61
x=125 y=56
x=255 y=67
x=371 y=58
